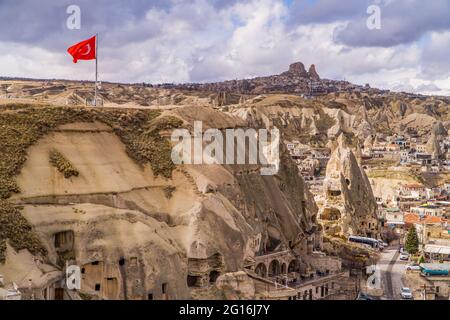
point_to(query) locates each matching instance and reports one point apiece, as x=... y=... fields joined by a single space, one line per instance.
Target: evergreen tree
x=421 y=259
x=412 y=241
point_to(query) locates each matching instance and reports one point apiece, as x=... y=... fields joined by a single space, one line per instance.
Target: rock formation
x=432 y=147
x=236 y=286
x=368 y=142
x=439 y=129
x=116 y=219
x=349 y=193
x=313 y=130
x=296 y=80
x=312 y=73
x=296 y=69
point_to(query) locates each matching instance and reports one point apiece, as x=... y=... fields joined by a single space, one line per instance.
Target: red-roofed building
x=428 y=227
x=412 y=218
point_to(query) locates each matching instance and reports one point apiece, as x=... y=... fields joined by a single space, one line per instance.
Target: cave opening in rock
x=122 y=262
x=283 y=268
x=272 y=244
x=213 y=275
x=164 y=290
x=334 y=193
x=64 y=240
x=193 y=281
x=331 y=214
x=274 y=268
x=261 y=270
x=293 y=266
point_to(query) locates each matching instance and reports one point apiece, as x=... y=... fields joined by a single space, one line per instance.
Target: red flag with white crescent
x=85 y=50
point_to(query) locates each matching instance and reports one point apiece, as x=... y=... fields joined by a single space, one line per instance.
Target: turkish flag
x=85 y=50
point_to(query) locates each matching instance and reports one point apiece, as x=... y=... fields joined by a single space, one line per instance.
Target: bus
x=373 y=243
x=435 y=269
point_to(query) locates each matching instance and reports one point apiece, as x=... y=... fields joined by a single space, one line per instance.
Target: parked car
x=402 y=250
x=404 y=256
x=406 y=293
x=413 y=266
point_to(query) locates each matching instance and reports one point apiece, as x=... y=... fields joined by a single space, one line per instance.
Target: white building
x=428 y=210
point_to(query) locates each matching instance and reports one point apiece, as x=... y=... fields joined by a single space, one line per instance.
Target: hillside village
x=423 y=204
x=359 y=168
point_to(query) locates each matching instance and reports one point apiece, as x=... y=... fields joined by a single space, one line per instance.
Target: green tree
x=412 y=241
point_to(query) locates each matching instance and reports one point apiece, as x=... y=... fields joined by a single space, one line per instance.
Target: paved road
x=392 y=271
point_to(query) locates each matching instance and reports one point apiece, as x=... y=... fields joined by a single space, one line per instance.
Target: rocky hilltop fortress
x=295 y=80
x=96 y=187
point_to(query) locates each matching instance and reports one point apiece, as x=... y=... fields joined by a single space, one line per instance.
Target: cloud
x=431 y=87
x=326 y=11
x=200 y=40
x=435 y=57
x=44 y=22
x=402 y=22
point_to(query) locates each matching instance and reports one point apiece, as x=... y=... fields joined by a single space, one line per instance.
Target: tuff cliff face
x=297 y=69
x=312 y=73
x=137 y=234
x=350 y=206
x=432 y=147
x=111 y=218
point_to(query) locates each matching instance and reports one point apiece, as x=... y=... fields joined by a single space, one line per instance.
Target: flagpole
x=96 y=68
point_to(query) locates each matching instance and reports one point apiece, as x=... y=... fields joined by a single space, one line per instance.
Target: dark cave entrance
x=193 y=281
x=213 y=275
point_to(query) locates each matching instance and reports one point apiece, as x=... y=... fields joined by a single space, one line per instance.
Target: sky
x=158 y=41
